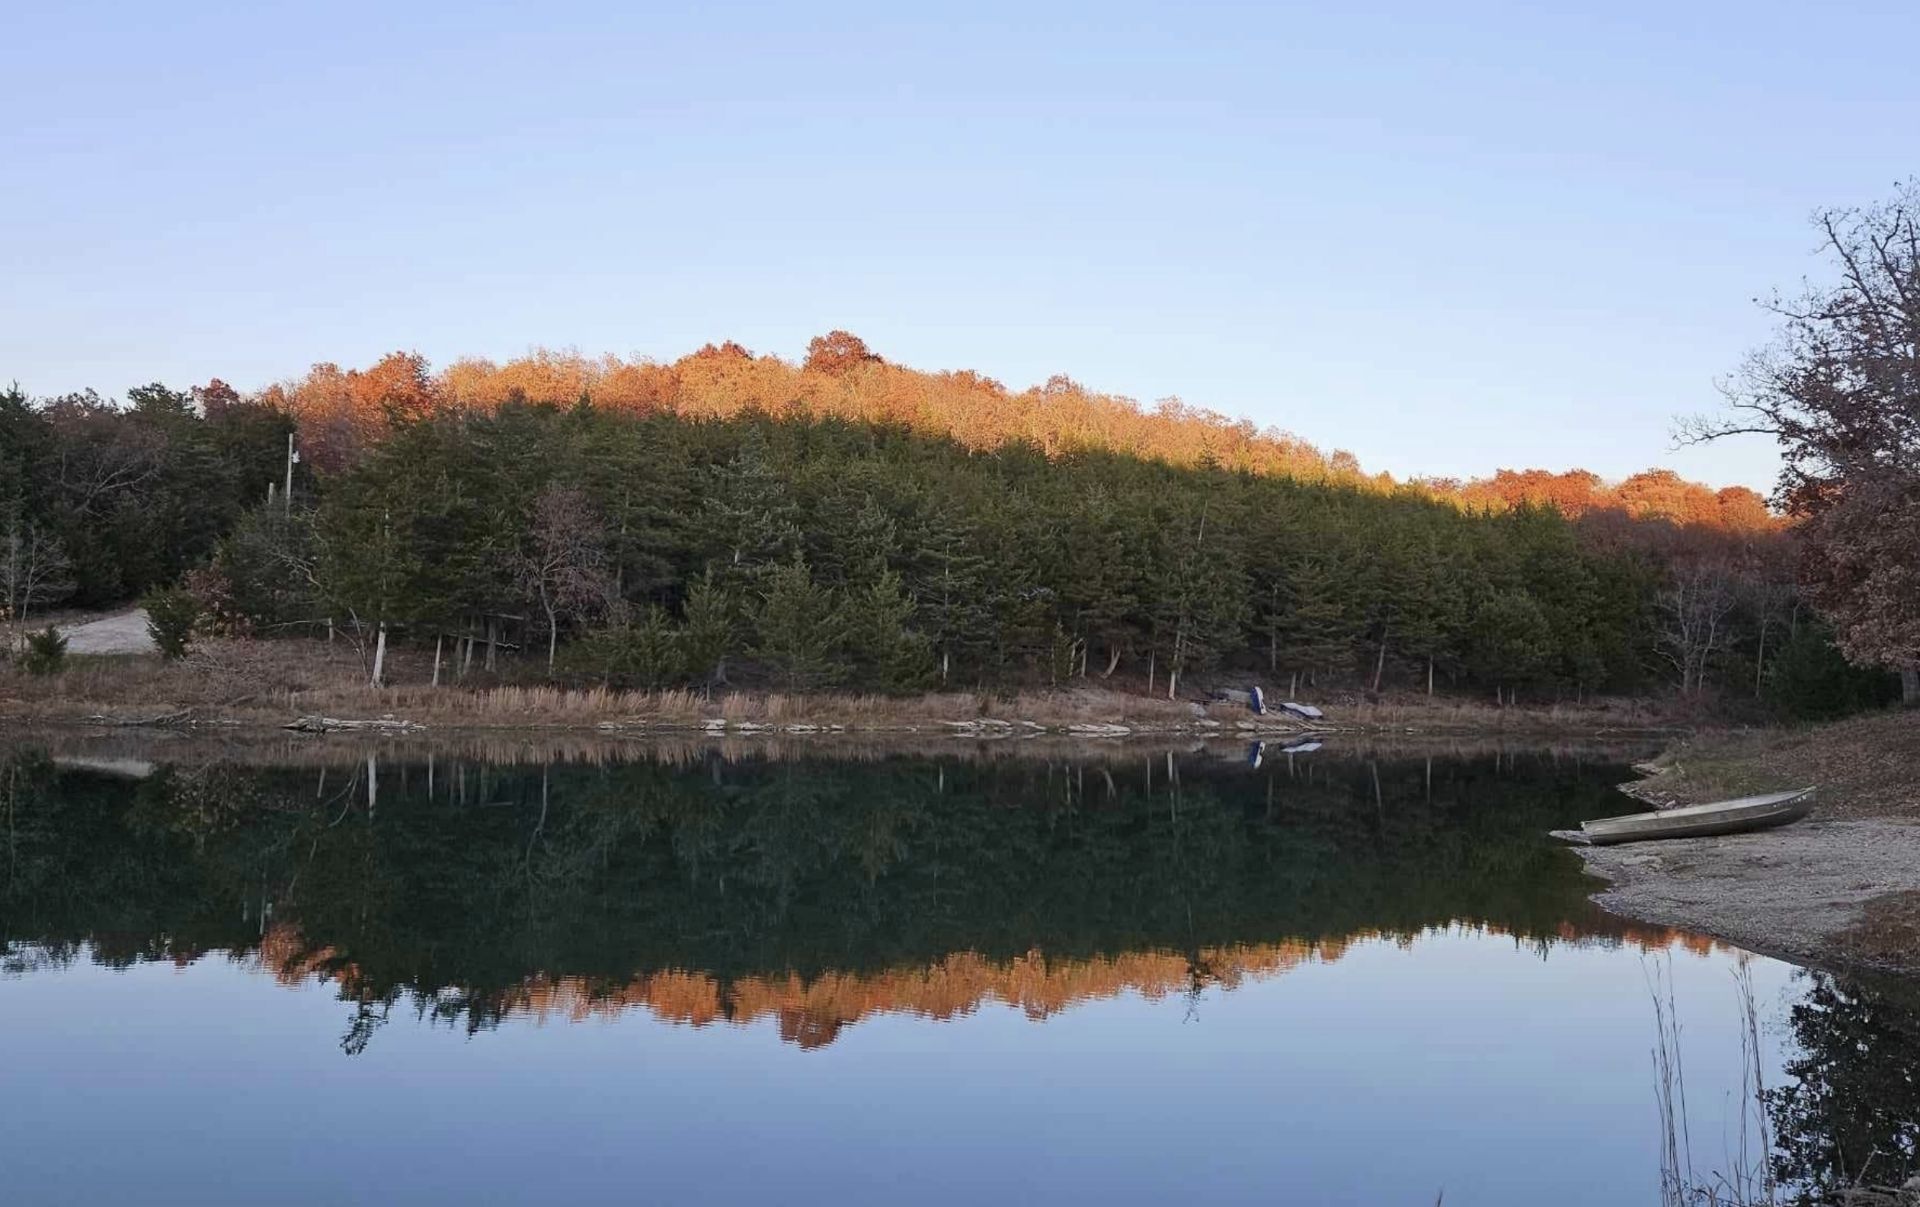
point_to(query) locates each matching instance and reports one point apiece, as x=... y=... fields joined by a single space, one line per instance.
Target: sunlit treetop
x=341 y=412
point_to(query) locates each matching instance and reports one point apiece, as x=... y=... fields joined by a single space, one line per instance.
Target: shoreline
x=239 y=683
x=195 y=720
x=1817 y=894
x=1838 y=890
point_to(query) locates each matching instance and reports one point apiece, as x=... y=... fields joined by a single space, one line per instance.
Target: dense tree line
x=99 y=502
x=343 y=412
x=650 y=549
x=816 y=553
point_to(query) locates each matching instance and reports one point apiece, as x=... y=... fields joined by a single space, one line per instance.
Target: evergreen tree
x=798 y=628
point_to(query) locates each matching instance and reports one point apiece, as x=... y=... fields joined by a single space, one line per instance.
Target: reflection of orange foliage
x=812 y=1012
x=341 y=411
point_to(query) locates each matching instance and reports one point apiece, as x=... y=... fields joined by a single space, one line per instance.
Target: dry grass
x=272 y=682
x=1597 y=716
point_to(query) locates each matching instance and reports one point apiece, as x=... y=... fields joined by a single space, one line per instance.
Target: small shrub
x=1810 y=680
x=46 y=652
x=219 y=613
x=646 y=654
x=171 y=616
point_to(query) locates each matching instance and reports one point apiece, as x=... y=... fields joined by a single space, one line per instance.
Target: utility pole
x=293 y=459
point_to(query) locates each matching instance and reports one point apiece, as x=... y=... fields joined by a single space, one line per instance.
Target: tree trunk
x=1152 y=657
x=1173 y=680
x=553 y=639
x=1113 y=662
x=380 y=656
x=946 y=658
x=1429 y=676
x=1760 y=659
x=1379 y=666
x=438 y=638
x=1293 y=687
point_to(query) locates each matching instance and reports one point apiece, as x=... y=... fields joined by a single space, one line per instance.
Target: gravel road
x=120 y=633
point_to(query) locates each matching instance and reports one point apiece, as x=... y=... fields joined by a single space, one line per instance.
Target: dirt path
x=120 y=633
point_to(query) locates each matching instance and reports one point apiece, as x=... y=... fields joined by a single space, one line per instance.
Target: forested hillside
x=850 y=523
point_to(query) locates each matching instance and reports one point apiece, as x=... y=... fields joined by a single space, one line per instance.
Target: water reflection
x=1849 y=1119
x=814 y=891
x=1364 y=937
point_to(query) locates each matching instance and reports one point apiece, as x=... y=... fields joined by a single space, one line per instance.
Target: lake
x=985 y=972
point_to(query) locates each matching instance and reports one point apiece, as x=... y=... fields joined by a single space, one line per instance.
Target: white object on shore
x=1303 y=710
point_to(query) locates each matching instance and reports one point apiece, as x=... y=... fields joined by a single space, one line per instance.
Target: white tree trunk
x=380 y=656
x=437 y=639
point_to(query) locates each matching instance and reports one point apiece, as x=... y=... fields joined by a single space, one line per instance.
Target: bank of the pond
x=273 y=683
x=1840 y=889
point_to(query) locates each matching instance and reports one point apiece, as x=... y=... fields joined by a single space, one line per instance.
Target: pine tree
x=709 y=630
x=799 y=628
x=749 y=520
x=886 y=650
x=949 y=592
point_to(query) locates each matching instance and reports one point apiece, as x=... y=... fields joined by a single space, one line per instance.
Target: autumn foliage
x=342 y=412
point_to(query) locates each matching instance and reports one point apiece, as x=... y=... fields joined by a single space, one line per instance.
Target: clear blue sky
x=1447 y=237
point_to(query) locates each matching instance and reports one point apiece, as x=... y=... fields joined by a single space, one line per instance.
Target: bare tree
x=1693 y=608
x=1840 y=389
x=34 y=570
x=101 y=457
x=563 y=564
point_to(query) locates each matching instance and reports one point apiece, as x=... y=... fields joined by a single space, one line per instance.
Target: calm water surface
x=686 y=977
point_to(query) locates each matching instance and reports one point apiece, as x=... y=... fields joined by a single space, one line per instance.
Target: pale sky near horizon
x=1447 y=238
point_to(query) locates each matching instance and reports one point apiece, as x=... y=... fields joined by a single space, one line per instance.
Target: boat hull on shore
x=1697 y=821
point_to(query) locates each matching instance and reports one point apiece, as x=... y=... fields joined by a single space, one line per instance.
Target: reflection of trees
x=1850 y=1115
x=471 y=884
